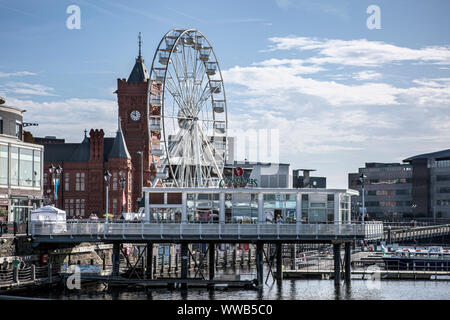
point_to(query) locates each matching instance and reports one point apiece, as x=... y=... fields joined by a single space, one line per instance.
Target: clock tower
x=132 y=101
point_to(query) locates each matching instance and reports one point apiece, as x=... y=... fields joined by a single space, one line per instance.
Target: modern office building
x=306 y=181
x=431 y=185
x=21 y=187
x=388 y=189
x=418 y=189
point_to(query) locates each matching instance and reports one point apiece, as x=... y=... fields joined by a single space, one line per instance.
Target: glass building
x=20 y=168
x=248 y=205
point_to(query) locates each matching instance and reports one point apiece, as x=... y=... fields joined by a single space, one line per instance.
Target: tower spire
x=140 y=43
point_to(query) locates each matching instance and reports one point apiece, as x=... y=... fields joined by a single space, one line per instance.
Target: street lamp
x=142 y=172
x=362 y=179
x=122 y=181
x=107 y=177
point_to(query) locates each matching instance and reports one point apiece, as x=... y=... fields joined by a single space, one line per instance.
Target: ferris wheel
x=187 y=111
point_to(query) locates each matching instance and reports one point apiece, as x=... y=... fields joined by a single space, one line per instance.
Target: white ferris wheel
x=187 y=111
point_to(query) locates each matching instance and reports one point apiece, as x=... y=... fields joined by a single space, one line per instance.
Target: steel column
x=279 y=247
x=184 y=264
x=212 y=266
x=116 y=259
x=259 y=263
x=149 y=270
x=347 y=259
x=337 y=263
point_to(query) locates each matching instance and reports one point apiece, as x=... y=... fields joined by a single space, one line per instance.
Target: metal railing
x=372 y=230
x=30 y=274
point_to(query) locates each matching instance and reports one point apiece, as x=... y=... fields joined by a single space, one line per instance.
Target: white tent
x=50 y=215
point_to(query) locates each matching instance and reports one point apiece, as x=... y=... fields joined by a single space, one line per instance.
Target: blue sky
x=338 y=93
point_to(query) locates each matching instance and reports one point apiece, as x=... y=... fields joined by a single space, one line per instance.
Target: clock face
x=135 y=115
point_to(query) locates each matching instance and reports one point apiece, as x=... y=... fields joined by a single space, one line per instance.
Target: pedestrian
x=5 y=264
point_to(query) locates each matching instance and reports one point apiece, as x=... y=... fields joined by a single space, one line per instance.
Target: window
x=14 y=170
x=71 y=207
x=19 y=130
x=82 y=207
x=77 y=207
x=66 y=205
x=26 y=167
x=3 y=164
x=114 y=209
x=79 y=181
x=67 y=181
x=444 y=190
x=114 y=181
x=443 y=178
x=1 y=125
x=37 y=168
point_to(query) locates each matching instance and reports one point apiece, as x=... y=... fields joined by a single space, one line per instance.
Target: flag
x=124 y=199
x=56 y=188
x=383 y=249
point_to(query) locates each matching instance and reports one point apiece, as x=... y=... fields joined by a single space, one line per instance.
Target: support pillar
x=347 y=259
x=212 y=266
x=184 y=264
x=337 y=263
x=279 y=247
x=259 y=264
x=116 y=259
x=149 y=269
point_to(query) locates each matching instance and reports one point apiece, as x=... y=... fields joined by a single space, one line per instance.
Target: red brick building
x=82 y=188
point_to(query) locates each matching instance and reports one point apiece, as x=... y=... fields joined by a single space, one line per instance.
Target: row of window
x=444 y=190
x=388 y=203
x=80 y=181
x=443 y=202
x=389 y=192
x=442 y=163
x=74 y=207
x=356 y=182
x=25 y=168
x=443 y=178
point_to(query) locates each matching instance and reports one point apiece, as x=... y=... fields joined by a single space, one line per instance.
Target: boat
x=430 y=259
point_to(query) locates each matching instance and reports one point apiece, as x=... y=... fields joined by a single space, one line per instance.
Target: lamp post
x=362 y=179
x=142 y=171
x=122 y=181
x=107 y=177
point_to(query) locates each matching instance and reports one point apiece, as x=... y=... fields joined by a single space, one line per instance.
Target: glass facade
x=24 y=169
x=244 y=207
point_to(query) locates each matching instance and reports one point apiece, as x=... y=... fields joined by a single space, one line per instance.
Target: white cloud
x=360 y=52
x=68 y=118
x=27 y=89
x=19 y=73
x=367 y=75
x=279 y=80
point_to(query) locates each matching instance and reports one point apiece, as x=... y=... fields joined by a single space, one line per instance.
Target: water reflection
x=286 y=290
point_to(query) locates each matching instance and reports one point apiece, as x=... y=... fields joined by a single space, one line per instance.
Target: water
x=287 y=290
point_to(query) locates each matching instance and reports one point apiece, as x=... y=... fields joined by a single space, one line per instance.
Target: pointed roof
x=119 y=148
x=82 y=152
x=139 y=71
